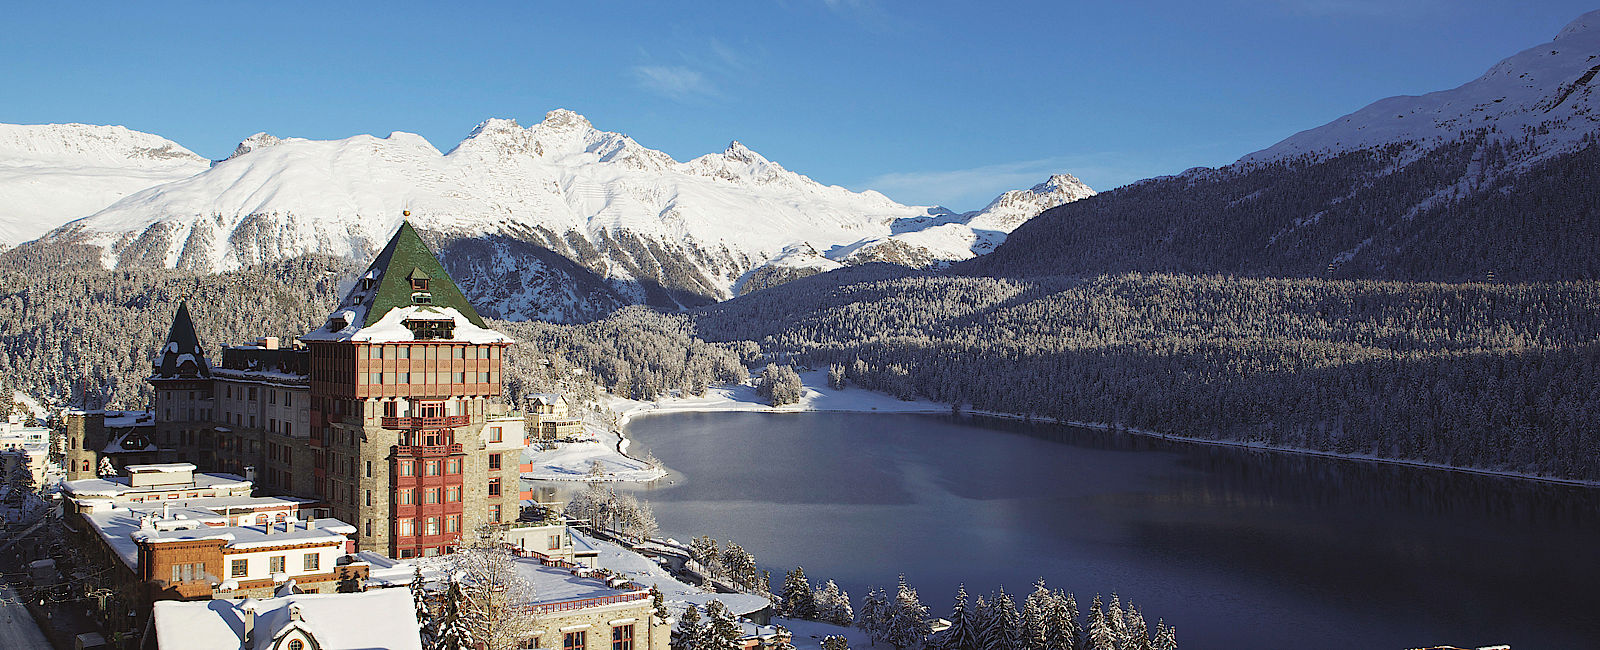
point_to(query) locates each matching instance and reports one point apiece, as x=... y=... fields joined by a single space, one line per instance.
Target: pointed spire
x=181 y=357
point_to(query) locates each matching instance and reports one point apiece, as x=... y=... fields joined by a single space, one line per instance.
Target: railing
x=427 y=450
x=569 y=605
x=435 y=422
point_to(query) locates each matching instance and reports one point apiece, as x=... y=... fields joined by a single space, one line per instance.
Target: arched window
x=297 y=644
x=261 y=520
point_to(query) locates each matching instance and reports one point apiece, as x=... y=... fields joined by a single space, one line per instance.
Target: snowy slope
x=53 y=173
x=1547 y=90
x=659 y=231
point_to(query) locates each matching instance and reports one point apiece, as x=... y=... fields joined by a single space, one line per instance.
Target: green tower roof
x=407 y=258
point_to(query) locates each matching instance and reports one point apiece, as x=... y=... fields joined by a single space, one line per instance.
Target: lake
x=1237 y=548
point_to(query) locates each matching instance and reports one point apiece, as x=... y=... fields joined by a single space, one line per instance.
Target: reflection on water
x=1236 y=547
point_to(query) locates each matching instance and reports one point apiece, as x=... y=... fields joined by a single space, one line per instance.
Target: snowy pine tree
x=1036 y=618
x=1101 y=636
x=835 y=642
x=1002 y=629
x=1166 y=638
x=455 y=624
x=1137 y=636
x=961 y=634
x=723 y=629
x=907 y=625
x=689 y=634
x=419 y=600
x=798 y=601
x=1064 y=631
x=1116 y=619
x=874 y=614
x=833 y=605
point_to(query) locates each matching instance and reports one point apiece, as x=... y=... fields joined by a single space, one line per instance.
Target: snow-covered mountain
x=1496 y=178
x=657 y=230
x=1543 y=91
x=53 y=173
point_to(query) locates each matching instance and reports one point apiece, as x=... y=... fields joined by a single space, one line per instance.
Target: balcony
x=435 y=422
x=427 y=450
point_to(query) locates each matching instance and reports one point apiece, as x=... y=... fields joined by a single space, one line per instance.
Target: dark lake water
x=1236 y=548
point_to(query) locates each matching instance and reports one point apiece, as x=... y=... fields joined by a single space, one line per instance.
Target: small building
x=155 y=482
x=383 y=618
x=549 y=418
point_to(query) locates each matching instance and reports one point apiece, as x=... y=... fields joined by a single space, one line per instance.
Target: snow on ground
x=570 y=461
x=639 y=568
x=818 y=397
x=809 y=634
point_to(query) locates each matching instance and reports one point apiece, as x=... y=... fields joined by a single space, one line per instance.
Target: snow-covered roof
x=738 y=604
x=547 y=399
x=117 y=486
x=391 y=327
x=169 y=468
x=556 y=585
x=118 y=525
x=328 y=618
x=378 y=306
x=119 y=419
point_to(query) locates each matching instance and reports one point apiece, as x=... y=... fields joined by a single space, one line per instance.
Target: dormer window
x=421 y=298
x=419 y=280
x=431 y=329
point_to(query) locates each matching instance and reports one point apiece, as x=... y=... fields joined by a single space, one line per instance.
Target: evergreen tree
x=1166 y=638
x=1064 y=632
x=908 y=624
x=419 y=600
x=658 y=604
x=689 y=633
x=723 y=631
x=1036 y=618
x=1003 y=629
x=1116 y=619
x=833 y=605
x=1101 y=636
x=874 y=615
x=798 y=601
x=835 y=642
x=1137 y=635
x=961 y=634
x=454 y=629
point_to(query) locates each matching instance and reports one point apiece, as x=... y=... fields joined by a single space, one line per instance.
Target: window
x=272 y=396
x=297 y=644
x=313 y=562
x=369 y=471
x=459 y=378
x=252 y=393
x=377 y=351
x=377 y=378
x=483 y=377
x=405 y=468
x=369 y=497
x=390 y=408
x=495 y=435
x=494 y=488
x=286 y=396
x=405 y=497
x=405 y=352
x=494 y=461
x=433 y=526
x=460 y=353
x=403 y=378
x=432 y=495
x=452 y=494
x=275 y=564
x=452 y=524
x=622 y=637
x=452 y=466
x=555 y=541
x=432 y=468
x=494 y=514
x=369 y=528
x=419 y=284
x=239 y=568
x=405 y=528
x=574 y=640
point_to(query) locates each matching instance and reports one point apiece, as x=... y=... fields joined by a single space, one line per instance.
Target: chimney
x=269 y=342
x=247 y=611
x=310 y=523
x=250 y=473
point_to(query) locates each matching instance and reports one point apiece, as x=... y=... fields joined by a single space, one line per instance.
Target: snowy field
x=571 y=461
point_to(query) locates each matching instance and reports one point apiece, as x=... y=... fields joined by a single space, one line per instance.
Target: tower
x=183 y=383
x=402 y=375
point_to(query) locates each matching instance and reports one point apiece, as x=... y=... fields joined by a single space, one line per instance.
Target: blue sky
x=930 y=102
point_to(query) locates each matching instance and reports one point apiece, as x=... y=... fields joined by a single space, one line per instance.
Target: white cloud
x=674 y=81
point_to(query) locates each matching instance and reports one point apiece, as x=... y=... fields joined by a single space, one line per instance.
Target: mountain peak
x=737 y=151
x=260 y=140
x=562 y=118
x=495 y=125
x=1585 y=23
